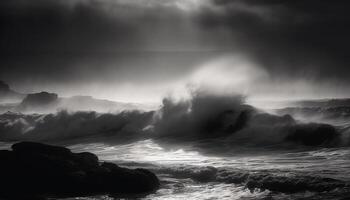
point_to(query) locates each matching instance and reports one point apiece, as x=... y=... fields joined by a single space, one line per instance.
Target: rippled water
x=188 y=174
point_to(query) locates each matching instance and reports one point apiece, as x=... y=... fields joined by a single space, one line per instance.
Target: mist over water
x=202 y=116
x=207 y=145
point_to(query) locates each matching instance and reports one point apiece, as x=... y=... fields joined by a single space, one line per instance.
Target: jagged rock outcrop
x=42 y=101
x=33 y=170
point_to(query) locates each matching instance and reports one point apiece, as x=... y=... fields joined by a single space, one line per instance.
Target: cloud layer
x=81 y=46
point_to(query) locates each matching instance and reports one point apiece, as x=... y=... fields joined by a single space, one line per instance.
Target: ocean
x=280 y=154
x=187 y=174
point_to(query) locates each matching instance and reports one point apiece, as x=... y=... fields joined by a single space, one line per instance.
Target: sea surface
x=187 y=174
x=224 y=170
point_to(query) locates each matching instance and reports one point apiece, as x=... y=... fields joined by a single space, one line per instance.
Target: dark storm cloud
x=289 y=37
x=87 y=40
x=44 y=39
x=69 y=44
x=37 y=27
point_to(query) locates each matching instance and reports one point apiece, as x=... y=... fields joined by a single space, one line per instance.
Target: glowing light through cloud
x=228 y=74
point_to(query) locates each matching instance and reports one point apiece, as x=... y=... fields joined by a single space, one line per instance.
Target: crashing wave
x=213 y=116
x=202 y=117
x=66 y=125
x=263 y=180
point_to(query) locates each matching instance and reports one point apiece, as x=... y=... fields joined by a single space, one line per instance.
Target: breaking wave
x=275 y=181
x=66 y=125
x=207 y=116
x=204 y=116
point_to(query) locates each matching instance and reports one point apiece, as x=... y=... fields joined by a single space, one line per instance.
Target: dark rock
x=39 y=99
x=87 y=160
x=37 y=148
x=42 y=102
x=33 y=170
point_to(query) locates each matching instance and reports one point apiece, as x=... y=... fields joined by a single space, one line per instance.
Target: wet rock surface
x=33 y=170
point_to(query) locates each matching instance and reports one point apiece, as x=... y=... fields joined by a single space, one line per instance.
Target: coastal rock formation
x=33 y=170
x=39 y=102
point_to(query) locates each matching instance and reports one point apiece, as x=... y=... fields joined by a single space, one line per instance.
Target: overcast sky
x=141 y=50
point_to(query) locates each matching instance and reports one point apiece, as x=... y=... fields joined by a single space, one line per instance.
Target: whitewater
x=187 y=174
x=208 y=147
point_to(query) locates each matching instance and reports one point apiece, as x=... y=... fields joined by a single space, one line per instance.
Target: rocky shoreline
x=39 y=171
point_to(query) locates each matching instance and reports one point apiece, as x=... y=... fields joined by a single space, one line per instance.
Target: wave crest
x=264 y=180
x=204 y=116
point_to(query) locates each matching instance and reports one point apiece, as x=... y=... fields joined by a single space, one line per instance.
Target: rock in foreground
x=33 y=170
